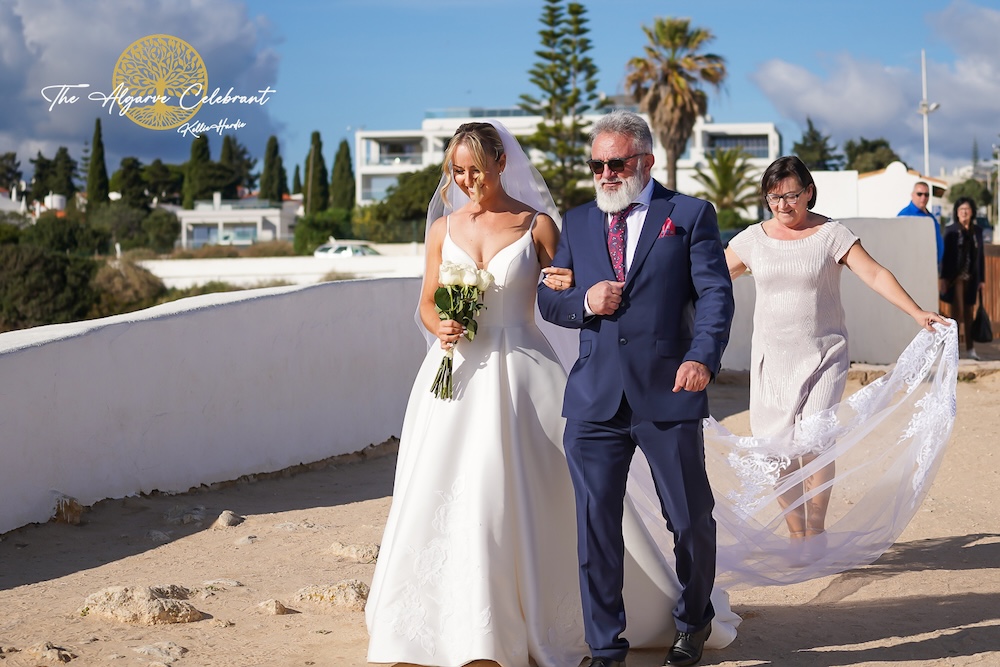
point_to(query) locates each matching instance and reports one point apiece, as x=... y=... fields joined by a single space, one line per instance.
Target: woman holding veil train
x=478 y=558
x=880 y=447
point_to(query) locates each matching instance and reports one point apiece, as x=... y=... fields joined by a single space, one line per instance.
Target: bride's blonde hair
x=485 y=145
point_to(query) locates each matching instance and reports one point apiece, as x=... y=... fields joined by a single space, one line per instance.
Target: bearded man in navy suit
x=653 y=301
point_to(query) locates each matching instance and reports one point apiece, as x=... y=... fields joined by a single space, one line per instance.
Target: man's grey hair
x=624 y=122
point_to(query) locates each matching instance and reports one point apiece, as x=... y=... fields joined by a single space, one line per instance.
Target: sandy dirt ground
x=933 y=599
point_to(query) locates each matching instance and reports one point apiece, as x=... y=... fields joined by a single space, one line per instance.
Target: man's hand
x=692 y=376
x=605 y=297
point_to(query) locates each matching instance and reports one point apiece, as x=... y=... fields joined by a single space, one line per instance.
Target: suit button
x=572 y=316
x=623 y=341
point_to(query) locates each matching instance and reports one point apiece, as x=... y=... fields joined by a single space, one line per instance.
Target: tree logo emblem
x=159 y=81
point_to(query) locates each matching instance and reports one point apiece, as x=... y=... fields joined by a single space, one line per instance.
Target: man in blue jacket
x=917 y=207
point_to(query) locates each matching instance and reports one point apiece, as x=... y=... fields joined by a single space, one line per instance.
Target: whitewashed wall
x=254 y=271
x=211 y=388
x=201 y=390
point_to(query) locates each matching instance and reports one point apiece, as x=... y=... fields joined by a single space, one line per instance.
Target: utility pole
x=925 y=110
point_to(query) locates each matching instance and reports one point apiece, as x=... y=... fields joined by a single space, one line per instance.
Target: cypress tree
x=270 y=187
x=131 y=184
x=317 y=188
x=282 y=177
x=342 y=182
x=201 y=156
x=97 y=170
x=40 y=180
x=232 y=158
x=296 y=182
x=63 y=170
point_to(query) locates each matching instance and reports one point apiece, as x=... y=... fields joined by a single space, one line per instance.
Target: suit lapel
x=597 y=224
x=660 y=209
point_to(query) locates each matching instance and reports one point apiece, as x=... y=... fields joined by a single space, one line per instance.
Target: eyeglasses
x=789 y=198
x=615 y=164
x=922 y=194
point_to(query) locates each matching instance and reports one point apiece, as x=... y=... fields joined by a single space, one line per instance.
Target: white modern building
x=236 y=222
x=874 y=194
x=380 y=156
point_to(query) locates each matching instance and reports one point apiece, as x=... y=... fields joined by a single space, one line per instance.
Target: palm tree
x=667 y=80
x=730 y=184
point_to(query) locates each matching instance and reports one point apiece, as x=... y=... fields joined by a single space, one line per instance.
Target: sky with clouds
x=851 y=66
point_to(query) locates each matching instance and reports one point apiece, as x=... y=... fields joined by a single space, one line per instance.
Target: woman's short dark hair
x=958 y=203
x=786 y=167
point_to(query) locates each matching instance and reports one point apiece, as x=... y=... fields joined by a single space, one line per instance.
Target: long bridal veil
x=883 y=445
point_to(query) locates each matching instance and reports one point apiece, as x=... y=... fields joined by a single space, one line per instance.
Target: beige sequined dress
x=798 y=355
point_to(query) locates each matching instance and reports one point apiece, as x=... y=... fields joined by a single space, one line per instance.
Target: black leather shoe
x=606 y=662
x=688 y=646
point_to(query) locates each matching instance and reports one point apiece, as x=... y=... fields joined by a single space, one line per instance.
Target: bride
x=478 y=559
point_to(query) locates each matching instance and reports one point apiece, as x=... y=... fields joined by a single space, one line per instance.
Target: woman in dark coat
x=963 y=268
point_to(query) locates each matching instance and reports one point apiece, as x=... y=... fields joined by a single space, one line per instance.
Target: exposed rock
x=350 y=594
x=361 y=553
x=228 y=519
x=142 y=606
x=305 y=524
x=68 y=510
x=185 y=515
x=216 y=584
x=158 y=536
x=275 y=608
x=222 y=623
x=248 y=539
x=172 y=591
x=49 y=651
x=165 y=652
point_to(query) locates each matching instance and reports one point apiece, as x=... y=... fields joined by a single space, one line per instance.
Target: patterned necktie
x=616 y=241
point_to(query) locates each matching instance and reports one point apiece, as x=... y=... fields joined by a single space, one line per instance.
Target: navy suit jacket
x=677 y=305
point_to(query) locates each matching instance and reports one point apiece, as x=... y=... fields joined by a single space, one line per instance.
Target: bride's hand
x=557 y=279
x=449 y=331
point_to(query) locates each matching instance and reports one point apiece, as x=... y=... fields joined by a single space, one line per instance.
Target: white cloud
x=856 y=97
x=50 y=42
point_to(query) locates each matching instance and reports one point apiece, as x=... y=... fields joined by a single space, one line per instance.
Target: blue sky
x=852 y=66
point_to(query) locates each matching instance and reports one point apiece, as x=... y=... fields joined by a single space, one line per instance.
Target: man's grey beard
x=612 y=202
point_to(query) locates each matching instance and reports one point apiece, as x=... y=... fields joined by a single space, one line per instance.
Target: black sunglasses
x=615 y=164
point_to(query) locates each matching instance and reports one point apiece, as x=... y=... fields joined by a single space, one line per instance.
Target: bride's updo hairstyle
x=486 y=146
x=789 y=166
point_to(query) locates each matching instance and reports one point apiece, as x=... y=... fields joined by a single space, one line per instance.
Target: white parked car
x=345 y=249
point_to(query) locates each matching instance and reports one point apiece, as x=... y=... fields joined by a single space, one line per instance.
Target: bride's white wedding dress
x=478 y=559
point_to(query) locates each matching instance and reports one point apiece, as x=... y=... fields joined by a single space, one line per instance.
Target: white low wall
x=201 y=390
x=255 y=271
x=210 y=388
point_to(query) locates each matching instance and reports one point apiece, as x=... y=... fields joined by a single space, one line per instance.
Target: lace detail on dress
x=441 y=576
x=758 y=463
x=936 y=411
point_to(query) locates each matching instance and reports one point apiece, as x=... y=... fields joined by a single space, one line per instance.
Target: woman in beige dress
x=799 y=357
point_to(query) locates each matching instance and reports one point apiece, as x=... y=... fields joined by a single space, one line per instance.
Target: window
x=753 y=145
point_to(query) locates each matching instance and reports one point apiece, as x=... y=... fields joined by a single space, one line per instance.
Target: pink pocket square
x=667 y=229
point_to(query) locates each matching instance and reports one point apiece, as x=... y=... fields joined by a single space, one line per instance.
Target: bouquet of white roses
x=458 y=298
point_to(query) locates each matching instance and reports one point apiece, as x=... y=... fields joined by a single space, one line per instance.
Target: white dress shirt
x=633 y=225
